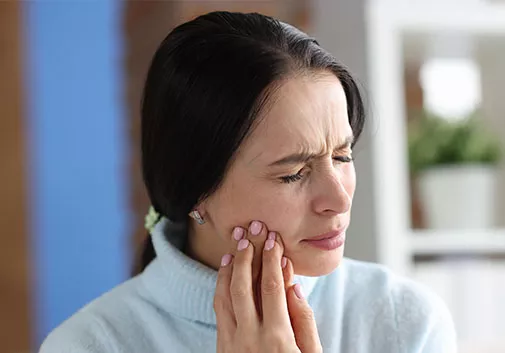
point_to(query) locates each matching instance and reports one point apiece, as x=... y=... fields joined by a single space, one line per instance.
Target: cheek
x=239 y=202
x=230 y=207
x=278 y=206
x=283 y=211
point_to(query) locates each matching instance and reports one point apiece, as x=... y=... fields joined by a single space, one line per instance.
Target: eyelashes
x=299 y=176
x=292 y=178
x=344 y=159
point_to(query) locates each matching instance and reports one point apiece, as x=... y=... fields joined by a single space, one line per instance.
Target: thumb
x=303 y=321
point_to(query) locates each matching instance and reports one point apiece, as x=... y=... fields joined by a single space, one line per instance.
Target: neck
x=204 y=245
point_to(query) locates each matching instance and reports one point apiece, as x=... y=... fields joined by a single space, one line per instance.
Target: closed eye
x=292 y=178
x=300 y=175
x=343 y=159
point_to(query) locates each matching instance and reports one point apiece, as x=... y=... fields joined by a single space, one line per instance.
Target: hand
x=279 y=321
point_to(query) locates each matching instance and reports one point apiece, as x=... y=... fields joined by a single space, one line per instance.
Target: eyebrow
x=303 y=157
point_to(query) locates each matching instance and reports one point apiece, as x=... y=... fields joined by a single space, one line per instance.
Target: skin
x=308 y=114
x=287 y=323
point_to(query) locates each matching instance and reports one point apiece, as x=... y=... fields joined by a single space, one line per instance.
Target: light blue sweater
x=359 y=308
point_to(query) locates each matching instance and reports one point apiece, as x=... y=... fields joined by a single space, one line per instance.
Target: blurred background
x=430 y=202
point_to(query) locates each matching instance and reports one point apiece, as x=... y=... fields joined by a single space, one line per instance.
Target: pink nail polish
x=242 y=244
x=255 y=228
x=238 y=233
x=271 y=236
x=284 y=262
x=269 y=245
x=299 y=291
x=225 y=260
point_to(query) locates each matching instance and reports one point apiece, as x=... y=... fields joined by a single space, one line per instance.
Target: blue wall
x=78 y=154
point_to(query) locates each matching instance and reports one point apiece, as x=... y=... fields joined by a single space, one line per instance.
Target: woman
x=247 y=134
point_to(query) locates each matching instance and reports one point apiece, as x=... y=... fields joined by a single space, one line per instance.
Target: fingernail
x=225 y=260
x=284 y=262
x=271 y=236
x=269 y=244
x=238 y=233
x=299 y=291
x=255 y=227
x=242 y=244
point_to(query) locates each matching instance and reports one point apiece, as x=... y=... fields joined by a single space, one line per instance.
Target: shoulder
x=101 y=325
x=417 y=316
x=82 y=333
x=384 y=284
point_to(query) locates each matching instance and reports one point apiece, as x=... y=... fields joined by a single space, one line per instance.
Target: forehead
x=307 y=112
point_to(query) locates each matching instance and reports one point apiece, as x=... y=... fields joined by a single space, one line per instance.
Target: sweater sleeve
x=85 y=335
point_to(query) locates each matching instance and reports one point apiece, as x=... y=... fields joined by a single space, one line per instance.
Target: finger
x=287 y=272
x=302 y=321
x=273 y=294
x=257 y=234
x=225 y=318
x=238 y=233
x=241 y=290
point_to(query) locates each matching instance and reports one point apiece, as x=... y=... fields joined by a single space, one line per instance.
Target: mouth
x=328 y=241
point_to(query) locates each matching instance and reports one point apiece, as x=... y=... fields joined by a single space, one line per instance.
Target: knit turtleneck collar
x=182 y=286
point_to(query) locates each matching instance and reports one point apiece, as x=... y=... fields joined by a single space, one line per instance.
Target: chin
x=315 y=265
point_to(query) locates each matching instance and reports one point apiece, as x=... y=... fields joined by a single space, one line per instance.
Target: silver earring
x=197 y=216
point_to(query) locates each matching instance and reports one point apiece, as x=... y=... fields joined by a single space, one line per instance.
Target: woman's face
x=293 y=174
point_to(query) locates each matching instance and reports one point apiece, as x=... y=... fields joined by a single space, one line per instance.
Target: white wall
x=491 y=57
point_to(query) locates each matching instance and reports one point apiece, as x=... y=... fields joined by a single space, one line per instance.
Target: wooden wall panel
x=14 y=267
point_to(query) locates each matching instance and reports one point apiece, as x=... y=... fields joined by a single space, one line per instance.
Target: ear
x=198 y=212
x=201 y=207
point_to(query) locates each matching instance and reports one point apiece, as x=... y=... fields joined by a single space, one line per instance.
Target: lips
x=328 y=235
x=328 y=241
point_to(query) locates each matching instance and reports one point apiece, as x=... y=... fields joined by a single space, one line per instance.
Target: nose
x=331 y=196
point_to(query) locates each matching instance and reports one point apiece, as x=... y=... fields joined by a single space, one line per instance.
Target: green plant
x=435 y=141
